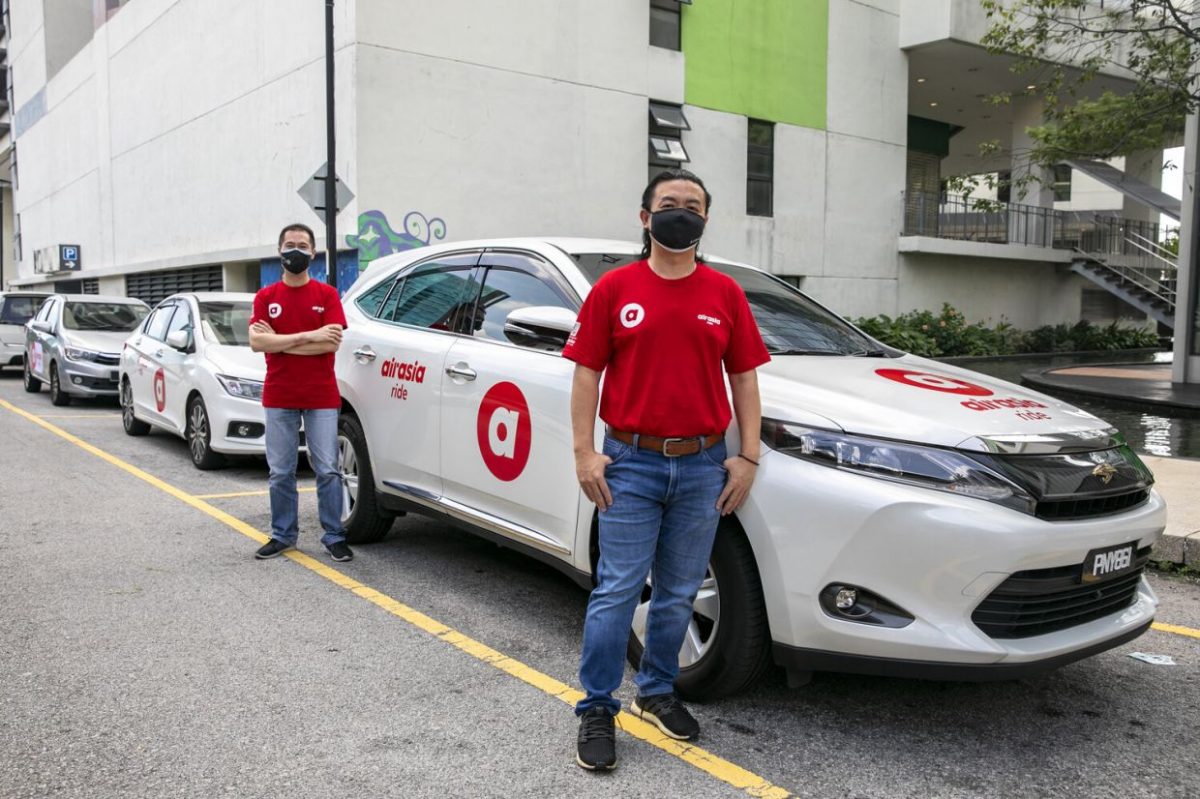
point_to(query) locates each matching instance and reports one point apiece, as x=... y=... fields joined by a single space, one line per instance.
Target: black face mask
x=295 y=260
x=676 y=229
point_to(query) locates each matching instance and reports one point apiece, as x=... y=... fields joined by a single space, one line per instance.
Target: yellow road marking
x=721 y=769
x=80 y=416
x=232 y=494
x=1176 y=629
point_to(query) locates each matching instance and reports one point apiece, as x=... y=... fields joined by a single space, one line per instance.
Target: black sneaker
x=340 y=552
x=597 y=740
x=666 y=712
x=271 y=549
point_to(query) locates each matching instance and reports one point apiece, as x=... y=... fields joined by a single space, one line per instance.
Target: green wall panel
x=765 y=59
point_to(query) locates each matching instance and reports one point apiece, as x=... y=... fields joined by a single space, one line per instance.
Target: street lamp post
x=331 y=208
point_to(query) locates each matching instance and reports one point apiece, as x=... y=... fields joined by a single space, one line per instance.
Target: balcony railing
x=949 y=216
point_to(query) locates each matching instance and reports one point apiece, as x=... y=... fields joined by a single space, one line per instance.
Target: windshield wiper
x=869 y=354
x=806 y=352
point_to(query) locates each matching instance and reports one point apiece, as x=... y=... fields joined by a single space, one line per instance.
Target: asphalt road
x=146 y=654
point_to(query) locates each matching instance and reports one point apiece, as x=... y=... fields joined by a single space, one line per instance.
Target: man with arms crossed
x=665 y=330
x=298 y=323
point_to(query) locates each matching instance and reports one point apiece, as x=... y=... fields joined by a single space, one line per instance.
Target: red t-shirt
x=299 y=381
x=662 y=344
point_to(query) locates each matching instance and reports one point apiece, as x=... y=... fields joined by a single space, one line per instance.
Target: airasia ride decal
x=402 y=373
x=952 y=385
x=160 y=390
x=505 y=431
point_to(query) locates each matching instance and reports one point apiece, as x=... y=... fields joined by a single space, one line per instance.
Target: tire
x=57 y=395
x=133 y=426
x=198 y=434
x=735 y=647
x=32 y=384
x=364 y=521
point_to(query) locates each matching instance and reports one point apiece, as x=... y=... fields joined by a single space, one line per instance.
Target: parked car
x=909 y=517
x=189 y=369
x=16 y=308
x=74 y=344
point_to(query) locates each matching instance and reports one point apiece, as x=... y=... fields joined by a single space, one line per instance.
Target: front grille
x=1062 y=509
x=108 y=359
x=1041 y=601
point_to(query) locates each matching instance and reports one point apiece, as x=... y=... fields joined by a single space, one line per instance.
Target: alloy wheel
x=702 y=628
x=198 y=432
x=348 y=468
x=126 y=405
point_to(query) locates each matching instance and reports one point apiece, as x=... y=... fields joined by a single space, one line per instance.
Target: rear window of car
x=17 y=310
x=115 y=317
x=226 y=323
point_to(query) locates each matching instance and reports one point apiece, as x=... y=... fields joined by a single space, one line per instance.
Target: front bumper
x=935 y=555
x=226 y=415
x=89 y=378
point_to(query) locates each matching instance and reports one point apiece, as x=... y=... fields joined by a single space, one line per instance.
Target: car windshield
x=790 y=323
x=19 y=310
x=116 y=317
x=226 y=323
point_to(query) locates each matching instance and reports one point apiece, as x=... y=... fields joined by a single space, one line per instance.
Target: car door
x=175 y=366
x=506 y=422
x=37 y=340
x=396 y=363
x=149 y=396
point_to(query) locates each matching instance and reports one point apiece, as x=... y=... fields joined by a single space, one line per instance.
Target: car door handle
x=364 y=354
x=462 y=370
x=158 y=353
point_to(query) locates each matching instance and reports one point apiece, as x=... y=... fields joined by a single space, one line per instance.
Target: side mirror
x=540 y=327
x=40 y=326
x=178 y=339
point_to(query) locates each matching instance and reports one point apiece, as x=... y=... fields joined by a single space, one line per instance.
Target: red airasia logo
x=932 y=382
x=505 y=431
x=160 y=390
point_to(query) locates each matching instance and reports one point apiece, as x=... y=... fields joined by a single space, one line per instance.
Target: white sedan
x=909 y=517
x=189 y=370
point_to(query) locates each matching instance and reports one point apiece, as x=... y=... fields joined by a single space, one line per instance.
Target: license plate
x=114 y=374
x=1101 y=564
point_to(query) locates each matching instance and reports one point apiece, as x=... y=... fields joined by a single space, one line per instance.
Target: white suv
x=909 y=518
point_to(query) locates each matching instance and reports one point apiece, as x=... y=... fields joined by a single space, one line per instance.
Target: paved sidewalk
x=1139 y=383
x=1178 y=480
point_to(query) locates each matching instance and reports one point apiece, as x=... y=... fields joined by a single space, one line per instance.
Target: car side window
x=156 y=325
x=436 y=295
x=181 y=320
x=511 y=282
x=47 y=309
x=371 y=301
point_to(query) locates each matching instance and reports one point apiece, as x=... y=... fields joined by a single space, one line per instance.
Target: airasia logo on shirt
x=275 y=310
x=505 y=431
x=632 y=315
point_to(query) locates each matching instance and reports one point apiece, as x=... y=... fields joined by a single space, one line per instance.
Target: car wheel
x=133 y=425
x=198 y=433
x=57 y=395
x=32 y=384
x=728 y=642
x=363 y=519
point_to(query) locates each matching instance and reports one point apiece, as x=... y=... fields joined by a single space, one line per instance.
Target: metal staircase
x=1148 y=285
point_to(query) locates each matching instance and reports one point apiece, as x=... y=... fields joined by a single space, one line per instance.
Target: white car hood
x=237 y=361
x=95 y=340
x=911 y=399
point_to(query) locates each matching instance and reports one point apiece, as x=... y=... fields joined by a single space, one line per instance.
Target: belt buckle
x=667 y=442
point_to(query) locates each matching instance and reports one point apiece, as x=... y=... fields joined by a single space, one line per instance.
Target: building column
x=1147 y=167
x=1028 y=226
x=1186 y=367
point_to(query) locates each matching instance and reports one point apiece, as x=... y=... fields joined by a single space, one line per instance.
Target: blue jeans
x=664 y=517
x=283 y=443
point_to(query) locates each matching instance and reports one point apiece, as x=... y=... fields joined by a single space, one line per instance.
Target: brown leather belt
x=670 y=447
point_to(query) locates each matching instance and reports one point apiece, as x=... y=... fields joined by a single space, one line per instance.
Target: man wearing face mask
x=298 y=323
x=664 y=331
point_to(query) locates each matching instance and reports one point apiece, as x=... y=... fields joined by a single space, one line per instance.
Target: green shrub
x=948 y=334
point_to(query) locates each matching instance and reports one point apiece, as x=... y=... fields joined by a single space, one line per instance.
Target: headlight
x=74 y=354
x=912 y=464
x=241 y=387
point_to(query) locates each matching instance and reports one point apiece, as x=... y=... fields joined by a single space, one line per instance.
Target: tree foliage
x=1065 y=45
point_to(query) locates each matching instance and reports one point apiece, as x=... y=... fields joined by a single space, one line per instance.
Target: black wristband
x=743 y=457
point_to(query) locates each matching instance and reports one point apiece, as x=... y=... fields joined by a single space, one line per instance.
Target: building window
x=154 y=287
x=1004 y=186
x=665 y=23
x=667 y=124
x=1062 y=183
x=760 y=169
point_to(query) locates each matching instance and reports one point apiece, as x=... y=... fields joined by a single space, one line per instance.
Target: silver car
x=74 y=344
x=16 y=308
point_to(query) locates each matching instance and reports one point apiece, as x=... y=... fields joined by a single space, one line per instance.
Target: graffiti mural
x=376 y=238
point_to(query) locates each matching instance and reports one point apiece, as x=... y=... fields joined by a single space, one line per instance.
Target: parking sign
x=69 y=257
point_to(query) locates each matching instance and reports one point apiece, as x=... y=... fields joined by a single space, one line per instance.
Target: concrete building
x=168 y=139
